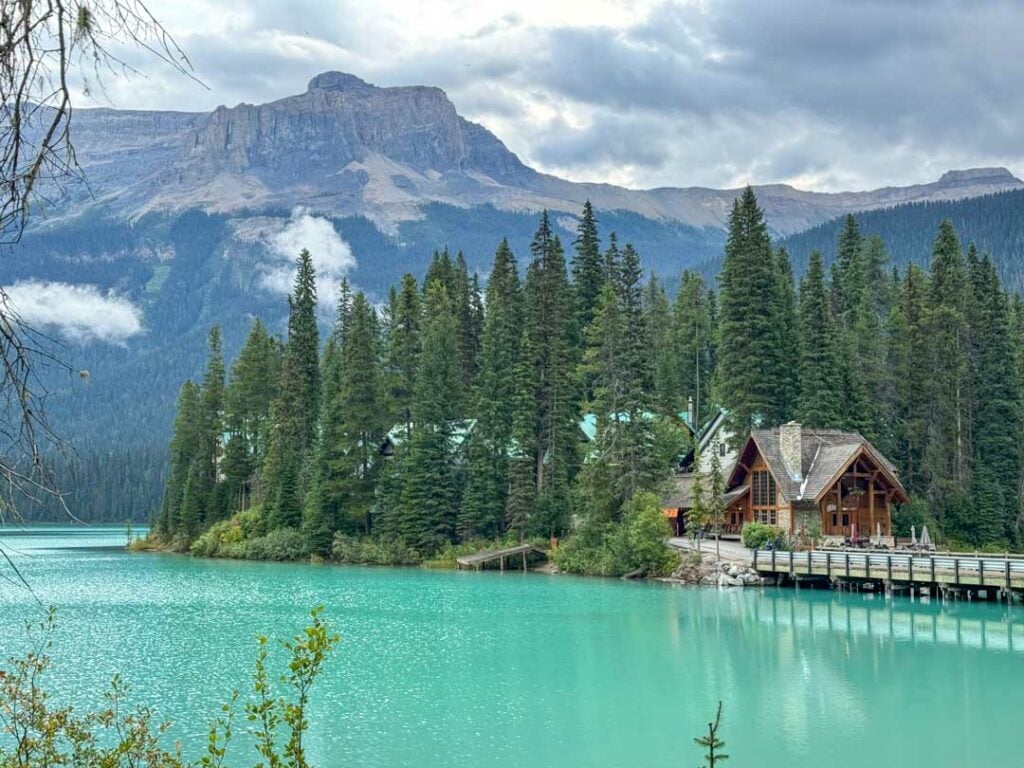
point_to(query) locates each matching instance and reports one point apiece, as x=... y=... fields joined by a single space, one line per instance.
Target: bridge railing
x=983 y=570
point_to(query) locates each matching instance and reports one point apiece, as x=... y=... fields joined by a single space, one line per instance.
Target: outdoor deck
x=994 y=574
x=478 y=559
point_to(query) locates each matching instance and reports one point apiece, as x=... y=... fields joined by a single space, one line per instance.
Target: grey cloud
x=826 y=92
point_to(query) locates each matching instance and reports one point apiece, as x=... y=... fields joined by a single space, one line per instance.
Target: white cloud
x=80 y=313
x=332 y=256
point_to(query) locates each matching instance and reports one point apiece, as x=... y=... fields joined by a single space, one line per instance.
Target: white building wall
x=719 y=444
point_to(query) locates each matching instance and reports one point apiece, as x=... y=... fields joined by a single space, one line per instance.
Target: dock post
x=524 y=560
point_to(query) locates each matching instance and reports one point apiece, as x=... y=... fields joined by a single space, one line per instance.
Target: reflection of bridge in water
x=900 y=621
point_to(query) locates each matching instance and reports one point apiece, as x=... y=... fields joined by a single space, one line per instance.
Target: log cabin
x=792 y=477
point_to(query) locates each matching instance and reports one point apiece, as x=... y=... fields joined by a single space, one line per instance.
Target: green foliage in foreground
x=635 y=544
x=711 y=743
x=759 y=535
x=36 y=732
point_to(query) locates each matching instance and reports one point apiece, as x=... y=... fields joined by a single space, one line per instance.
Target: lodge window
x=763 y=488
x=767 y=516
x=721 y=449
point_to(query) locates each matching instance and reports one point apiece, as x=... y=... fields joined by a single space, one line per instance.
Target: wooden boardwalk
x=478 y=559
x=971 y=573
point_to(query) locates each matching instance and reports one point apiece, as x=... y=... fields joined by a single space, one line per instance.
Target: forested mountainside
x=994 y=223
x=193 y=220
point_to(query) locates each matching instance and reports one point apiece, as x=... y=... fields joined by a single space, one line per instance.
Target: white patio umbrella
x=913 y=535
x=926 y=540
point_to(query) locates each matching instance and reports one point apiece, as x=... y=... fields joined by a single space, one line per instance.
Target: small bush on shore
x=355 y=550
x=280 y=544
x=634 y=545
x=760 y=535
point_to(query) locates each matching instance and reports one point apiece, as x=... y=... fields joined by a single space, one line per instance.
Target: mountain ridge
x=346 y=147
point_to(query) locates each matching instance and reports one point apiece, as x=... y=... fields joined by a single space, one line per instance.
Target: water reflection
x=985 y=626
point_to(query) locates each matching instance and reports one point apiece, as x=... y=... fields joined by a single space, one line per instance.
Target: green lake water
x=492 y=669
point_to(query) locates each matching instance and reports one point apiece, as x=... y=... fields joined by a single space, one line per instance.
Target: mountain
x=348 y=148
x=192 y=219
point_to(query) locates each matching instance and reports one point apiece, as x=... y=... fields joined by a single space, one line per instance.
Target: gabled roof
x=680 y=494
x=705 y=435
x=825 y=455
x=588 y=423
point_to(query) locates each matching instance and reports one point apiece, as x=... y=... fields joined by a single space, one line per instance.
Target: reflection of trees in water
x=804 y=659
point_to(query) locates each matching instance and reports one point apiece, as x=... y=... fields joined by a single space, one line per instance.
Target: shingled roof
x=824 y=454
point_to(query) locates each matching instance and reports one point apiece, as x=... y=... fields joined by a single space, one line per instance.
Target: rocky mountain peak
x=979 y=175
x=339 y=81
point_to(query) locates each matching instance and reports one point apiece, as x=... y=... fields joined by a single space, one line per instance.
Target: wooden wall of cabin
x=866 y=509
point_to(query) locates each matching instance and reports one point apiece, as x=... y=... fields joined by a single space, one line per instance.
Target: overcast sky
x=823 y=94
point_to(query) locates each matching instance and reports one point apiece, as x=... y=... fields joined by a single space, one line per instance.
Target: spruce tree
x=253 y=387
x=909 y=358
x=465 y=303
x=693 y=331
x=820 y=398
x=548 y=318
x=751 y=357
x=298 y=408
x=212 y=425
x=947 y=450
x=663 y=359
x=785 y=324
x=185 y=451
x=847 y=272
x=587 y=267
x=494 y=403
x=431 y=483
x=998 y=423
x=404 y=350
x=522 y=470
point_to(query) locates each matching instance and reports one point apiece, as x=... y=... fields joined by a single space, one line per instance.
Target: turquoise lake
x=492 y=669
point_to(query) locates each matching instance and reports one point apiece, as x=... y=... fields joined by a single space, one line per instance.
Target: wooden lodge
x=790 y=476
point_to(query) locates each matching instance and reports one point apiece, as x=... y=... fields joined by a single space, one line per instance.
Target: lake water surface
x=492 y=669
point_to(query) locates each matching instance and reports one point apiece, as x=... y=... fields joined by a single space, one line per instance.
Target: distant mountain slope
x=994 y=223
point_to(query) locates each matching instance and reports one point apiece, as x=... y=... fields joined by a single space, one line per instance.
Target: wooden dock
x=943 y=572
x=478 y=559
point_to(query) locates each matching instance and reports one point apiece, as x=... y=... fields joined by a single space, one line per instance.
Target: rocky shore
x=708 y=573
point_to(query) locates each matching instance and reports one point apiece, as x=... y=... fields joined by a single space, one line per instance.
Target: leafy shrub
x=759 y=535
x=216 y=537
x=355 y=550
x=636 y=544
x=280 y=544
x=121 y=735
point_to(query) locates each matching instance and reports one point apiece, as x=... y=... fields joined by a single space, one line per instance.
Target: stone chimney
x=790 y=446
